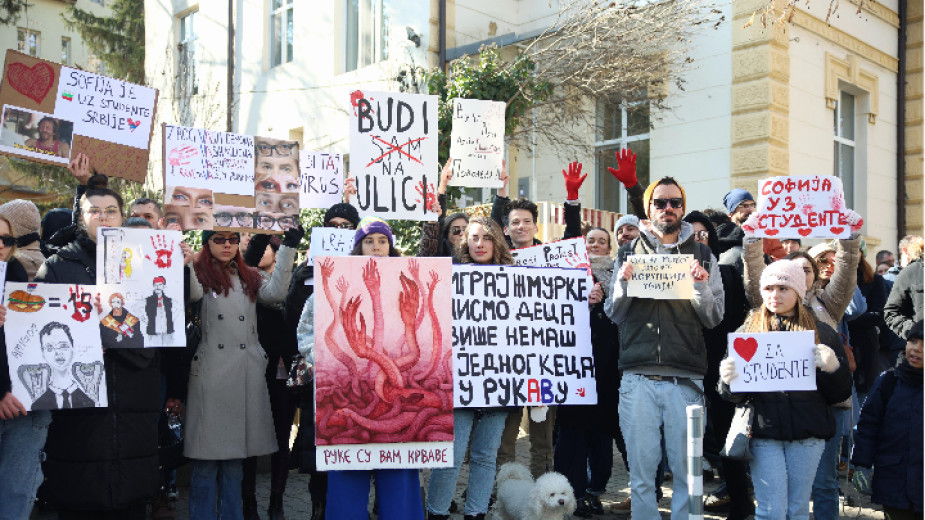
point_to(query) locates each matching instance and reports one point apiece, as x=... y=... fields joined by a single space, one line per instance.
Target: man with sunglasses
x=662 y=350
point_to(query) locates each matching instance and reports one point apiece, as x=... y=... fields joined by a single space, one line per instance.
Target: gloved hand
x=750 y=225
x=292 y=237
x=825 y=358
x=538 y=413
x=861 y=480
x=573 y=180
x=855 y=221
x=626 y=168
x=727 y=370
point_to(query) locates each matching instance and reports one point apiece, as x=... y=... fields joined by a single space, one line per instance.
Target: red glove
x=626 y=168
x=573 y=180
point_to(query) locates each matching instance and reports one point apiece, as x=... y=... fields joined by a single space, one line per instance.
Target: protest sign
x=139 y=274
x=661 y=277
x=208 y=159
x=393 y=154
x=385 y=402
x=521 y=336
x=322 y=179
x=330 y=242
x=773 y=361
x=811 y=206
x=477 y=143
x=52 y=112
x=276 y=184
x=53 y=346
x=572 y=252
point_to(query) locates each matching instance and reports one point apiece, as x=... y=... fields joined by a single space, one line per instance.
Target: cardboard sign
x=330 y=242
x=572 y=252
x=139 y=273
x=53 y=346
x=322 y=179
x=393 y=154
x=521 y=336
x=52 y=112
x=384 y=402
x=661 y=277
x=811 y=206
x=773 y=361
x=477 y=143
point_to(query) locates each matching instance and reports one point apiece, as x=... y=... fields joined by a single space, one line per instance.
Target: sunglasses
x=457 y=230
x=8 y=241
x=221 y=240
x=702 y=235
x=677 y=203
x=342 y=225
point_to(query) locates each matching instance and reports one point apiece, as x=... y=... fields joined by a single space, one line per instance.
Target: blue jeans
x=398 y=493
x=215 y=489
x=645 y=406
x=483 y=452
x=825 y=484
x=21 y=442
x=782 y=473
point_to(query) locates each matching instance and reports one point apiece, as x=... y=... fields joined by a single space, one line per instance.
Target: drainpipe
x=442 y=51
x=900 y=125
x=229 y=109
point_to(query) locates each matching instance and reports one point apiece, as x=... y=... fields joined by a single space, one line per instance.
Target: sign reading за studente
x=773 y=361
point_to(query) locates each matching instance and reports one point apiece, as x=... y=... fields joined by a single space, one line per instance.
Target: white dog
x=520 y=498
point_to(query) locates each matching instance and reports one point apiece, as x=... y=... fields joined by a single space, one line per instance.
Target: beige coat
x=228 y=406
x=31 y=257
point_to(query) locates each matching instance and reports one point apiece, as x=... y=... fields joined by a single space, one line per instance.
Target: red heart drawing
x=804 y=232
x=34 y=82
x=836 y=230
x=745 y=347
x=771 y=232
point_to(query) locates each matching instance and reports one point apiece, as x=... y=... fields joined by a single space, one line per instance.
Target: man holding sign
x=662 y=351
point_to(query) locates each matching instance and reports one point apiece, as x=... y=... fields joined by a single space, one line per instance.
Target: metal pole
x=695 y=461
x=229 y=108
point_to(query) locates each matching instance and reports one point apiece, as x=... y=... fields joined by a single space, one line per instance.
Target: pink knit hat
x=785 y=272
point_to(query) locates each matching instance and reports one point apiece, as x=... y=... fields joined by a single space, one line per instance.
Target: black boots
x=275 y=511
x=250 y=507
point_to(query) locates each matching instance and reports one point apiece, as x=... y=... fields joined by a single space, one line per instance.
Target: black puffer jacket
x=793 y=416
x=103 y=458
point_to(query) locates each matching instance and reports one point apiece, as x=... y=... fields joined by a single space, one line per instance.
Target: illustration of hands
x=82 y=303
x=408 y=300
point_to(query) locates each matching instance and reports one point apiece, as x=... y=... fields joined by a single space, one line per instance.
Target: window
x=620 y=125
x=65 y=50
x=367 y=33
x=189 y=40
x=281 y=32
x=845 y=145
x=28 y=41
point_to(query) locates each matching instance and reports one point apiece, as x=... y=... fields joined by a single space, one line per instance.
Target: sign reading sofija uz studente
x=811 y=206
x=521 y=336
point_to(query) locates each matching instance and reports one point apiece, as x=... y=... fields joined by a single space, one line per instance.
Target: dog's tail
x=513 y=471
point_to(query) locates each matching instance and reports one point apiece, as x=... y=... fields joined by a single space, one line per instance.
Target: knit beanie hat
x=916 y=332
x=342 y=210
x=631 y=220
x=735 y=197
x=24 y=216
x=785 y=272
x=647 y=196
x=370 y=225
x=206 y=235
x=819 y=249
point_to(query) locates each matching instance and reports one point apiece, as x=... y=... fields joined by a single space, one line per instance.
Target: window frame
x=840 y=143
x=188 y=52
x=609 y=145
x=25 y=49
x=376 y=20
x=66 y=50
x=285 y=39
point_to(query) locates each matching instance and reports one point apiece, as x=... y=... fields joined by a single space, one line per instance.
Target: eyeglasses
x=702 y=235
x=267 y=222
x=231 y=240
x=677 y=203
x=457 y=230
x=107 y=214
x=281 y=149
x=748 y=205
x=7 y=240
x=243 y=219
x=342 y=225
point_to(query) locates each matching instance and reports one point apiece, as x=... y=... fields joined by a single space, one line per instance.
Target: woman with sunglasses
x=441 y=238
x=228 y=416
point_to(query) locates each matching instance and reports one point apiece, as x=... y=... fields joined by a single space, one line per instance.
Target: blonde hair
x=763 y=320
x=12 y=249
x=502 y=253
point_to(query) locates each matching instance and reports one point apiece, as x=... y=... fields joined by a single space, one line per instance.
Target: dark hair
x=358 y=249
x=520 y=203
x=712 y=237
x=136 y=222
x=716 y=216
x=812 y=263
x=54 y=124
x=865 y=271
x=448 y=221
x=53 y=325
x=98 y=186
x=275 y=242
x=883 y=253
x=146 y=200
x=595 y=228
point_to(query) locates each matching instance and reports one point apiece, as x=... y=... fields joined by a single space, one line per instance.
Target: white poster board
x=572 y=252
x=811 y=206
x=53 y=346
x=661 y=277
x=322 y=179
x=521 y=336
x=477 y=143
x=330 y=242
x=222 y=162
x=393 y=154
x=773 y=361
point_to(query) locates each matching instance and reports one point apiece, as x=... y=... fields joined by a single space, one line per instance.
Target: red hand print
x=181 y=156
x=163 y=253
x=433 y=205
x=81 y=301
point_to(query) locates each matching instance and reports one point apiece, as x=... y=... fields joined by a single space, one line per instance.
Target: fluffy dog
x=520 y=498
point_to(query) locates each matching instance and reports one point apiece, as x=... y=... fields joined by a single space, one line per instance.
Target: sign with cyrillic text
x=811 y=206
x=773 y=361
x=661 y=277
x=330 y=242
x=322 y=179
x=477 y=143
x=521 y=336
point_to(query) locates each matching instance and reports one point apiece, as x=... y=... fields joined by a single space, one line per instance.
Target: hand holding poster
x=53 y=346
x=811 y=206
x=773 y=361
x=322 y=179
x=572 y=252
x=330 y=242
x=393 y=154
x=477 y=143
x=661 y=277
x=521 y=336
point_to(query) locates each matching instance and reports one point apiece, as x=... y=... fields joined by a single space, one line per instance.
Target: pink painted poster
x=806 y=206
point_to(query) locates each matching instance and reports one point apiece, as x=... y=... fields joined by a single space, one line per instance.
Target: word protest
x=393 y=154
x=139 y=273
x=661 y=277
x=52 y=112
x=477 y=143
x=811 y=206
x=209 y=160
x=773 y=361
x=53 y=346
x=322 y=179
x=394 y=390
x=521 y=336
x=572 y=252
x=330 y=242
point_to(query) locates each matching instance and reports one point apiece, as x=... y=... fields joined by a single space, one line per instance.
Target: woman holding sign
x=789 y=429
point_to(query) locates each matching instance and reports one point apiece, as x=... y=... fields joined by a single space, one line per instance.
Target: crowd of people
x=251 y=309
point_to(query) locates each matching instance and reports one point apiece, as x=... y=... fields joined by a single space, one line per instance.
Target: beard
x=667 y=228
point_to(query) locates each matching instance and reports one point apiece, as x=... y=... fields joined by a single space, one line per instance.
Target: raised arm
x=277 y=287
x=573 y=181
x=840 y=289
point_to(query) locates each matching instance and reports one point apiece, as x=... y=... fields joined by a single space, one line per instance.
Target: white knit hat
x=23 y=215
x=785 y=272
x=631 y=220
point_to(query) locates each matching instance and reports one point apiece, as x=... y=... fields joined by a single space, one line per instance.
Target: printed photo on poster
x=33 y=134
x=53 y=346
x=234 y=217
x=190 y=208
x=276 y=183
